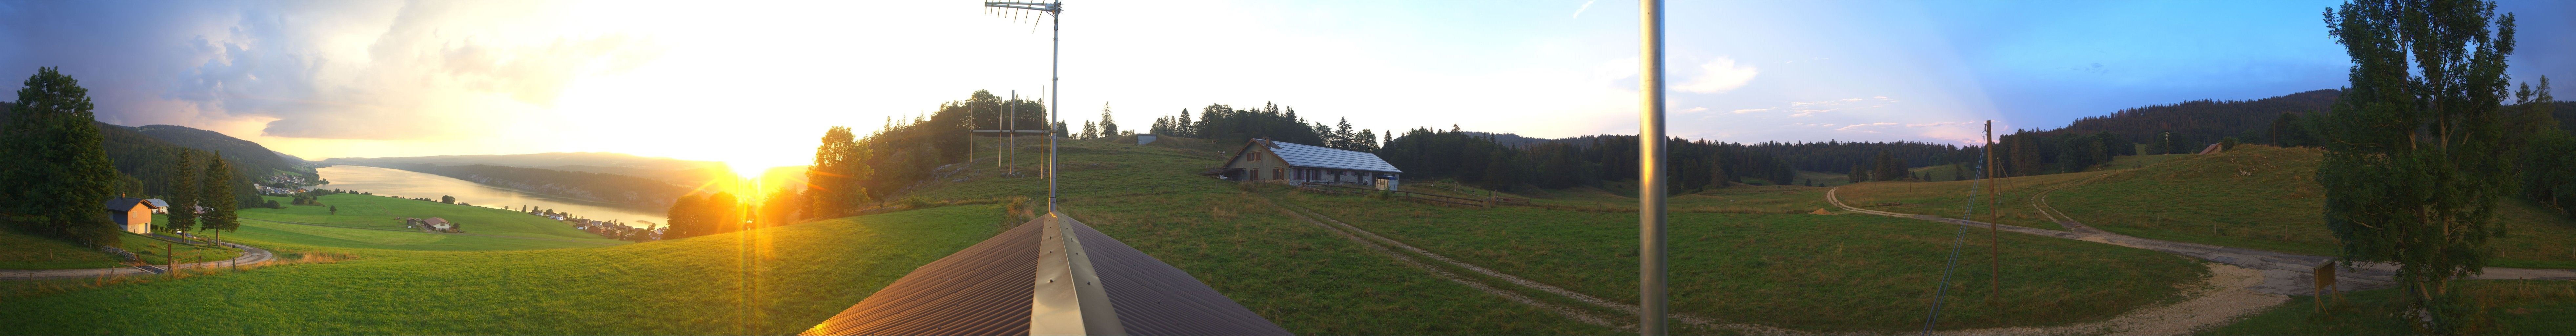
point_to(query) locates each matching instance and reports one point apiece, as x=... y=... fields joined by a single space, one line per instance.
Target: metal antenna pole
x=1650 y=177
x=1055 y=69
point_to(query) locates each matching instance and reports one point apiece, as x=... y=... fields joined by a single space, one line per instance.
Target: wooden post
x=170 y=257
x=1994 y=214
x=2325 y=282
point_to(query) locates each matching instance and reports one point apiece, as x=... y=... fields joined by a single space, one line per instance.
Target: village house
x=131 y=214
x=1280 y=162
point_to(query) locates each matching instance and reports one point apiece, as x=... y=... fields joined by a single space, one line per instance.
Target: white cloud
x=1802 y=113
x=1847 y=128
x=1851 y=99
x=1939 y=124
x=1719 y=76
x=1743 y=111
x=1695 y=109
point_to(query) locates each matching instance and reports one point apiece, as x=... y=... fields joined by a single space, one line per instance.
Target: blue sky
x=331 y=79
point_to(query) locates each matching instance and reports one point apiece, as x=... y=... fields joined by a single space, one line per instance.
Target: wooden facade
x=130 y=214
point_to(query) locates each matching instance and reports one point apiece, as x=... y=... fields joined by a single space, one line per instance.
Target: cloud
x=1802 y=113
x=1578 y=11
x=1719 y=76
x=1743 y=111
x=1851 y=99
x=1854 y=126
x=1939 y=124
x=1695 y=109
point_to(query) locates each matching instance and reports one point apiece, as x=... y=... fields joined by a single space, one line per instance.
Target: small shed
x=1144 y=139
x=1281 y=162
x=435 y=223
x=132 y=214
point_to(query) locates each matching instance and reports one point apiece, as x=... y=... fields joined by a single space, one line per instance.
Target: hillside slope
x=2267 y=198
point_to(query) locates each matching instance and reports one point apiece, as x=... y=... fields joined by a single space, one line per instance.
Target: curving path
x=2283 y=273
x=250 y=256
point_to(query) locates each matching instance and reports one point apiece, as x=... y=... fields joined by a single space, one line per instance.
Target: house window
x=1256 y=156
x=1278 y=173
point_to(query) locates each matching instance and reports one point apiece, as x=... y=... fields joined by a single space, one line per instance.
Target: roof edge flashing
x=1069 y=298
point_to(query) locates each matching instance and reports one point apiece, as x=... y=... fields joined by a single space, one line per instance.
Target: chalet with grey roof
x=1280 y=162
x=131 y=214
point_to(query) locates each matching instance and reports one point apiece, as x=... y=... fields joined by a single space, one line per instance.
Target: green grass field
x=380 y=212
x=771 y=281
x=1812 y=272
x=1952 y=199
x=1301 y=277
x=2264 y=197
x=2506 y=307
x=26 y=251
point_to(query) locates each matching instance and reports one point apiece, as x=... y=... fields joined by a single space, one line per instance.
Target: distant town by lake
x=410 y=184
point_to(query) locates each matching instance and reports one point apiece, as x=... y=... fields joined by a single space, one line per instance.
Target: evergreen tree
x=215 y=193
x=183 y=193
x=1089 y=131
x=1108 y=127
x=1343 y=138
x=1889 y=168
x=2417 y=158
x=1858 y=175
x=1184 y=128
x=58 y=171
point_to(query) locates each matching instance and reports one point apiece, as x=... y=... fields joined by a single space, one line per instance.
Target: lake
x=411 y=184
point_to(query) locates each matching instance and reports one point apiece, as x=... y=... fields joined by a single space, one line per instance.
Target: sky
x=755 y=83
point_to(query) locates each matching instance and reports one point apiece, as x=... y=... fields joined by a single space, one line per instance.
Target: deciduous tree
x=2416 y=157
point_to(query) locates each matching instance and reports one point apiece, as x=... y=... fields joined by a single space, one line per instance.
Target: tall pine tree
x=183 y=193
x=216 y=194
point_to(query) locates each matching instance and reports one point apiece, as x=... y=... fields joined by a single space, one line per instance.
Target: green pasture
x=380 y=212
x=2264 y=197
x=770 y=281
x=1841 y=273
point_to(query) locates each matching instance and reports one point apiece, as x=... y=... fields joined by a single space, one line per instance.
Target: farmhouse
x=133 y=214
x=432 y=224
x=1280 y=162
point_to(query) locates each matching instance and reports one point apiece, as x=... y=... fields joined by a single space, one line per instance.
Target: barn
x=1281 y=162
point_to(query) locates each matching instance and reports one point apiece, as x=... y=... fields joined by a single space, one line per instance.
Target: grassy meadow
x=2506 y=307
x=1951 y=199
x=27 y=251
x=2267 y=198
x=771 y=281
x=381 y=212
x=1301 y=277
x=1842 y=273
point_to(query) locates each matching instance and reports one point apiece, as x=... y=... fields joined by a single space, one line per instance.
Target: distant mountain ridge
x=255 y=158
x=667 y=170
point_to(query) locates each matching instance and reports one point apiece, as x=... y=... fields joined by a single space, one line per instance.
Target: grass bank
x=770 y=281
x=2267 y=198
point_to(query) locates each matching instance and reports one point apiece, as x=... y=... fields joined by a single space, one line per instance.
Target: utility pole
x=1650 y=167
x=1994 y=213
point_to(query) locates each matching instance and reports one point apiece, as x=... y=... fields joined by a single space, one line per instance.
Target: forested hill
x=2204 y=121
x=253 y=158
x=611 y=188
x=144 y=164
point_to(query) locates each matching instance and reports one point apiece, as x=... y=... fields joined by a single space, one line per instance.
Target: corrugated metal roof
x=987 y=289
x=1153 y=298
x=1319 y=157
x=982 y=290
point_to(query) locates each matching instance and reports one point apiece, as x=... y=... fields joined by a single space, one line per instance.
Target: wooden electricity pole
x=1994 y=213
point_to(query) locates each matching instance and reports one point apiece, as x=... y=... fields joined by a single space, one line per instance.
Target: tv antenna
x=1031 y=10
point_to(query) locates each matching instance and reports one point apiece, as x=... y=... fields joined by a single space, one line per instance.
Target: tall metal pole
x=1055 y=66
x=1650 y=172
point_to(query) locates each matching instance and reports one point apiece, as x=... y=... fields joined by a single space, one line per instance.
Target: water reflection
x=411 y=184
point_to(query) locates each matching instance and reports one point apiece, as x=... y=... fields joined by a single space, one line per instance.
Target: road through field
x=2283 y=274
x=250 y=256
